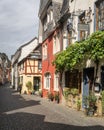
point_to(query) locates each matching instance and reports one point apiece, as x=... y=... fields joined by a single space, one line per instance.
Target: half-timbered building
x=29 y=65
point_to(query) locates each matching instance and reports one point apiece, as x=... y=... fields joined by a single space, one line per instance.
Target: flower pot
x=90 y=112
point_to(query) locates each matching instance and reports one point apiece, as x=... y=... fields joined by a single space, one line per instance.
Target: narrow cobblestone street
x=30 y=112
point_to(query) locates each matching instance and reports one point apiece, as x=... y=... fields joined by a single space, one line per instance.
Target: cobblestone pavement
x=30 y=112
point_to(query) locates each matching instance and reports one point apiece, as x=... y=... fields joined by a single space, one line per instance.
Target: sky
x=19 y=24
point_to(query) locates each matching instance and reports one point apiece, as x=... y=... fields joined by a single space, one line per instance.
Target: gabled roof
x=36 y=53
x=27 y=48
x=17 y=54
x=45 y=3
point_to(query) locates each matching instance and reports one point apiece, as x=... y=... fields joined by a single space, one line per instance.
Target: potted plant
x=29 y=87
x=90 y=104
x=57 y=97
x=50 y=96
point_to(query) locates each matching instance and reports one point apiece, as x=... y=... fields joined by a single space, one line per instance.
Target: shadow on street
x=27 y=121
x=9 y=100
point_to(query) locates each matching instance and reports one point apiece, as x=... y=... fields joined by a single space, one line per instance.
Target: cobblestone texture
x=30 y=112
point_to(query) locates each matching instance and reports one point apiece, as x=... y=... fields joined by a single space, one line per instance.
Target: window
x=50 y=16
x=100 y=15
x=82 y=21
x=73 y=79
x=102 y=77
x=39 y=65
x=21 y=79
x=56 y=43
x=65 y=40
x=45 y=24
x=56 y=81
x=44 y=51
x=22 y=66
x=47 y=79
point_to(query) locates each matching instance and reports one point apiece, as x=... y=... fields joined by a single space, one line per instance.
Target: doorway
x=36 y=83
x=102 y=77
x=88 y=79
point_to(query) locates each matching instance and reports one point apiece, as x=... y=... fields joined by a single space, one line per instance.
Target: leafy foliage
x=96 y=44
x=103 y=101
x=91 y=48
x=59 y=61
x=29 y=85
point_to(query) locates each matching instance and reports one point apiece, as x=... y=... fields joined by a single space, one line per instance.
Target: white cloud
x=18 y=23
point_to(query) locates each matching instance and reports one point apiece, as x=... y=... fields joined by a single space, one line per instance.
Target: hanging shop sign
x=83 y=27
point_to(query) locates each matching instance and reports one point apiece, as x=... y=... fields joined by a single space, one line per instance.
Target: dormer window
x=44 y=51
x=45 y=24
x=56 y=43
x=49 y=16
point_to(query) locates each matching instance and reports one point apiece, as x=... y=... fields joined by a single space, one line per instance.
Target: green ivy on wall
x=91 y=48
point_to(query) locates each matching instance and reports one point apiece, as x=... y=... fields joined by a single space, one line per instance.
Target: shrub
x=74 y=91
x=66 y=92
x=50 y=96
x=56 y=96
x=29 y=86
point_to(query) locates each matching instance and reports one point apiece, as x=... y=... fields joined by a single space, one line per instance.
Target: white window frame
x=56 y=43
x=45 y=24
x=48 y=19
x=47 y=81
x=51 y=15
x=65 y=40
x=45 y=51
x=56 y=82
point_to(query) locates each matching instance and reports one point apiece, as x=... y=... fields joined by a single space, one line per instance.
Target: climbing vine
x=91 y=48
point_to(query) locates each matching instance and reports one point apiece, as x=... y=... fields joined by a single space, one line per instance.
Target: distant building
x=5 y=68
x=30 y=68
x=26 y=66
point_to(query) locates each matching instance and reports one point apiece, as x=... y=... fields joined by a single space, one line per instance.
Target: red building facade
x=49 y=37
x=50 y=79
